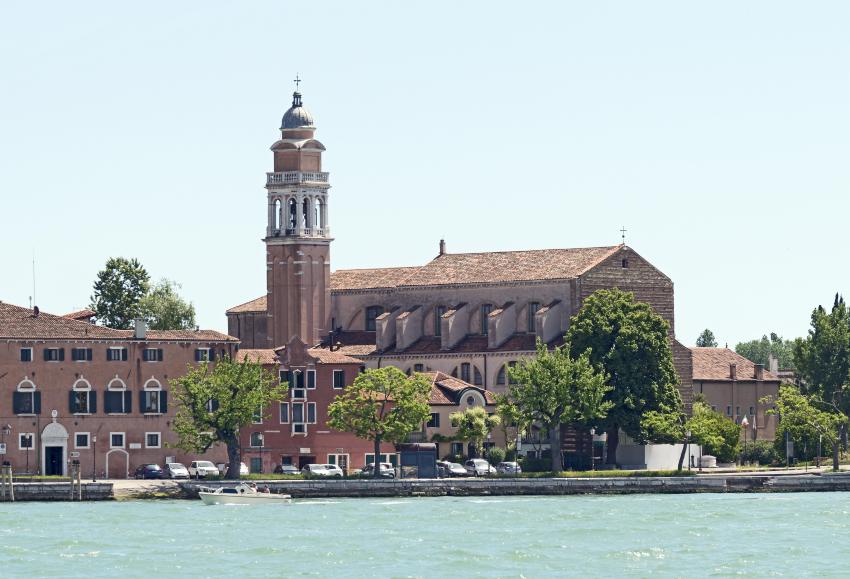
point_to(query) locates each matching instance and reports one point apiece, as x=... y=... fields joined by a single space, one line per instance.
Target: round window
x=470 y=400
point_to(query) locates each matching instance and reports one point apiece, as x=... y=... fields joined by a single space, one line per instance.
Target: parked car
x=508 y=468
x=387 y=470
x=324 y=470
x=286 y=469
x=223 y=467
x=203 y=469
x=175 y=470
x=149 y=471
x=448 y=469
x=479 y=467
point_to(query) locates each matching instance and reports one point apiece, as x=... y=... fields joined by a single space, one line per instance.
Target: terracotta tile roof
x=446 y=390
x=326 y=356
x=362 y=344
x=83 y=315
x=20 y=323
x=266 y=357
x=256 y=305
x=478 y=268
x=712 y=364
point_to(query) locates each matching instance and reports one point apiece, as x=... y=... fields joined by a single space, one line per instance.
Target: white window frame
x=280 y=413
x=82 y=385
x=32 y=353
x=251 y=440
x=88 y=439
x=208 y=356
x=157 y=387
x=307 y=380
x=111 y=353
x=333 y=378
x=257 y=414
x=307 y=417
x=32 y=388
x=383 y=455
x=123 y=439
x=21 y=436
x=155 y=354
x=110 y=387
x=299 y=393
x=51 y=358
x=85 y=356
x=158 y=439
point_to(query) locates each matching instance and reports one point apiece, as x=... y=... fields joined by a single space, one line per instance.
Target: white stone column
x=299 y=217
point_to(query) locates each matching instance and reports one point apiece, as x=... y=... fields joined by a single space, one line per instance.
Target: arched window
x=485 y=318
x=277 y=215
x=438 y=318
x=117 y=399
x=372 y=313
x=504 y=377
x=292 y=215
x=305 y=214
x=500 y=377
x=26 y=399
x=318 y=220
x=116 y=384
x=153 y=399
x=468 y=373
x=82 y=400
x=533 y=308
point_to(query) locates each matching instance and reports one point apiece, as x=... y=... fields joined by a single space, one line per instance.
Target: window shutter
x=72 y=402
x=163 y=401
x=123 y=354
x=159 y=355
x=17 y=402
x=46 y=354
x=290 y=377
x=88 y=354
x=61 y=354
x=92 y=402
x=142 y=396
x=108 y=401
x=73 y=354
x=212 y=354
x=197 y=354
x=300 y=379
x=311 y=379
x=128 y=402
x=37 y=402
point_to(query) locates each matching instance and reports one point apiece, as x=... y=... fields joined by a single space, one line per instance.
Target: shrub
x=535 y=464
x=496 y=455
x=762 y=451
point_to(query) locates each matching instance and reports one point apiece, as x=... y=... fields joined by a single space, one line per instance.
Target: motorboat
x=241 y=494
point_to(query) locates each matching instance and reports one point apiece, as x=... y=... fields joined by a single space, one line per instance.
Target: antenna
x=32 y=298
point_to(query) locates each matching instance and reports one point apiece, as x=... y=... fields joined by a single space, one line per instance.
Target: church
x=468 y=316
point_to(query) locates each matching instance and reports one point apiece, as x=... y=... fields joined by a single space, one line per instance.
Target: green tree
x=512 y=420
x=382 y=405
x=629 y=342
x=473 y=425
x=118 y=291
x=718 y=436
x=164 y=309
x=823 y=363
x=667 y=427
x=706 y=339
x=800 y=416
x=759 y=351
x=216 y=400
x=555 y=388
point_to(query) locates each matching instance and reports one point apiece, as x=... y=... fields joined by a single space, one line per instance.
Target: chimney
x=35 y=312
x=733 y=371
x=759 y=372
x=773 y=364
x=442 y=247
x=141 y=329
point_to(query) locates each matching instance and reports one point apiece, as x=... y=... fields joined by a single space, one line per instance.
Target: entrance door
x=53 y=460
x=305 y=460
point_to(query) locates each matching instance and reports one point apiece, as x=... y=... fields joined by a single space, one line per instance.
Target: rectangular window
x=26 y=402
x=81 y=440
x=339 y=379
x=256 y=464
x=82 y=402
x=311 y=413
x=257 y=418
x=465 y=372
x=152 y=354
x=152 y=440
x=533 y=308
x=311 y=379
x=457 y=449
x=284 y=412
x=116 y=354
x=154 y=401
x=81 y=354
x=26 y=354
x=25 y=440
x=297 y=412
x=419 y=367
x=203 y=355
x=728 y=411
x=485 y=318
x=737 y=411
x=54 y=354
x=116 y=440
x=372 y=313
x=438 y=318
x=752 y=411
x=117 y=402
x=434 y=422
x=284 y=376
x=390 y=458
x=256 y=440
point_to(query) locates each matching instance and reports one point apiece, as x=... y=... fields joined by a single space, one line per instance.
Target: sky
x=717 y=134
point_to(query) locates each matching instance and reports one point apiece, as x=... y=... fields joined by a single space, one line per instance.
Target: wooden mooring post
x=7 y=484
x=76 y=485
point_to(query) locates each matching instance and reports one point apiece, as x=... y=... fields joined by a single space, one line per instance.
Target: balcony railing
x=308 y=232
x=291 y=177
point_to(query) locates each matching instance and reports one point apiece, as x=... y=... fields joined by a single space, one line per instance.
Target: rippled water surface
x=789 y=535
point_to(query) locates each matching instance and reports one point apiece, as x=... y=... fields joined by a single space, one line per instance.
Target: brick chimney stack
x=733 y=371
x=442 y=247
x=759 y=372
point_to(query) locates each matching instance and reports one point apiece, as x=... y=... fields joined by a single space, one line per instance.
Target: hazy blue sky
x=718 y=133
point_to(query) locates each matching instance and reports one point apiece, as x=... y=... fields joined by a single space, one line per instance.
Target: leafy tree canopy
x=474 y=424
x=759 y=351
x=382 y=405
x=118 y=291
x=216 y=400
x=555 y=388
x=164 y=309
x=706 y=339
x=629 y=341
x=718 y=435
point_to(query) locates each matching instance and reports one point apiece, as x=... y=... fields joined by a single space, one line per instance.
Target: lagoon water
x=790 y=535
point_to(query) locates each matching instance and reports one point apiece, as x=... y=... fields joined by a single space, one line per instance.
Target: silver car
x=202 y=469
x=508 y=468
x=479 y=467
x=322 y=470
x=175 y=470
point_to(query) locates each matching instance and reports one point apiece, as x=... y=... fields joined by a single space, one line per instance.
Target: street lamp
x=688 y=442
x=93 y=458
x=744 y=424
x=592 y=453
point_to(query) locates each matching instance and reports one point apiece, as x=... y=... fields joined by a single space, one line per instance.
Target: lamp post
x=93 y=458
x=744 y=424
x=7 y=430
x=688 y=442
x=592 y=453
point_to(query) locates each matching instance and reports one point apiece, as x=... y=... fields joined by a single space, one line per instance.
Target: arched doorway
x=117 y=466
x=54 y=449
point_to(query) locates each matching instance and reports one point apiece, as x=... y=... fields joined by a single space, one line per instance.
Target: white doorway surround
x=54 y=436
x=126 y=470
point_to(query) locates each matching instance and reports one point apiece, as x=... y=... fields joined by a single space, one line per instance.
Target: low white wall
x=654 y=456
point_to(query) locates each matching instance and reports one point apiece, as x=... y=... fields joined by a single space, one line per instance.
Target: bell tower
x=298 y=237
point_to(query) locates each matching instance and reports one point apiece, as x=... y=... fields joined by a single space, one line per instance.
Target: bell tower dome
x=297 y=235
